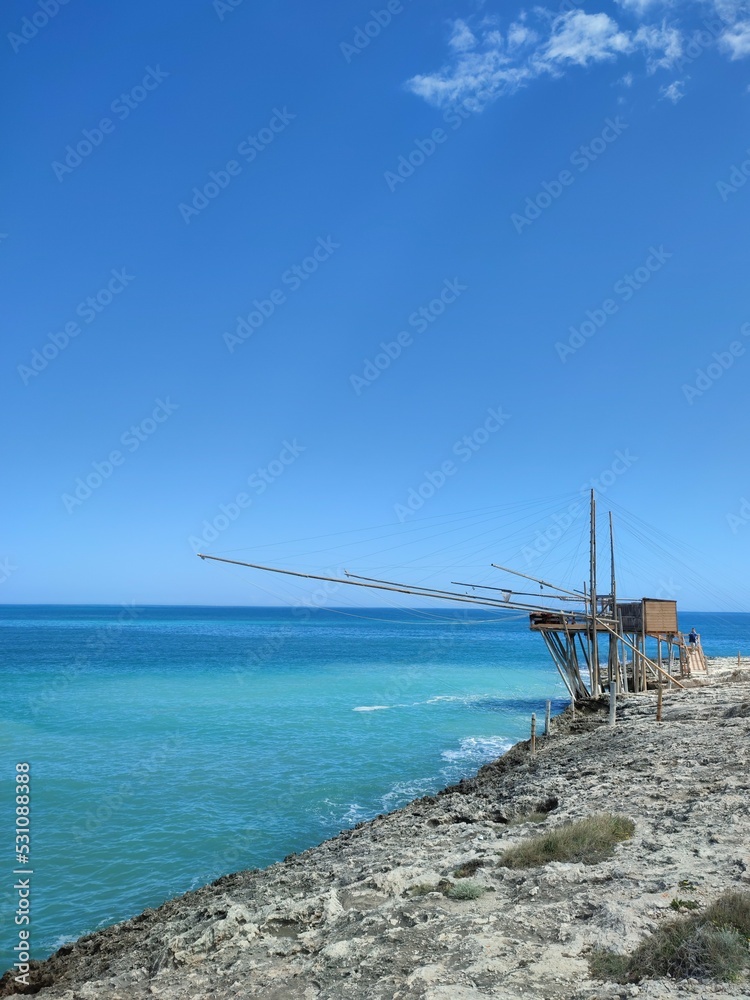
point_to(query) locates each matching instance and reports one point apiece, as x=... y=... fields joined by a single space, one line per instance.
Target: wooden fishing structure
x=597 y=642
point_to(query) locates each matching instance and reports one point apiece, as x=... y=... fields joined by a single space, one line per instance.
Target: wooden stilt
x=659 y=700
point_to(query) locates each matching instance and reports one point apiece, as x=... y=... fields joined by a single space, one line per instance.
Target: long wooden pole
x=515 y=572
x=433 y=591
x=572 y=658
x=592 y=598
x=556 y=646
x=487 y=602
x=563 y=674
x=614 y=673
x=521 y=593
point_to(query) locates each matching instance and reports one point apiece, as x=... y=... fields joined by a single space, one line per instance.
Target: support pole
x=533 y=733
x=622 y=670
x=560 y=663
x=613 y=640
x=658 y=652
x=659 y=700
x=612 y=702
x=654 y=667
x=547 y=713
x=595 y=688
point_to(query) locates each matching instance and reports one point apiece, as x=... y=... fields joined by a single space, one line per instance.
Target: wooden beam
x=515 y=572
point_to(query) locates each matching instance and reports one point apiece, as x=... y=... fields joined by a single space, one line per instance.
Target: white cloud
x=736 y=40
x=485 y=62
x=731 y=11
x=582 y=38
x=462 y=37
x=638 y=6
x=663 y=45
x=475 y=78
x=674 y=92
x=519 y=35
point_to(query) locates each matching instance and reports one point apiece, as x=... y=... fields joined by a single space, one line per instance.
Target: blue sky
x=273 y=270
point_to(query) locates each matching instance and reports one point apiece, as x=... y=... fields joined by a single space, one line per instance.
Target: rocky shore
x=365 y=915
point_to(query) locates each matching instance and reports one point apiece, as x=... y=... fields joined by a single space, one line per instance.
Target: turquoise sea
x=169 y=746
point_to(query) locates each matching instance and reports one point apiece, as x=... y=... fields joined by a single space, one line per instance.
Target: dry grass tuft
x=468 y=868
x=589 y=841
x=710 y=945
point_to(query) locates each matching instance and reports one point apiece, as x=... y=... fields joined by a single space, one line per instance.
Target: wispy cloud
x=736 y=40
x=584 y=38
x=462 y=37
x=486 y=62
x=674 y=92
x=662 y=45
x=642 y=7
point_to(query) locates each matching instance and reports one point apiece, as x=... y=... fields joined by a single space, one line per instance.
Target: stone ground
x=343 y=921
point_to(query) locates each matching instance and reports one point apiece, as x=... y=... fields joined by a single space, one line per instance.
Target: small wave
x=452 y=697
x=478 y=749
x=404 y=791
x=353 y=815
x=370 y=708
x=53 y=944
x=342 y=816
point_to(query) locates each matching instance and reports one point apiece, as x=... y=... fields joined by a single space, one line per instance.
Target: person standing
x=693 y=637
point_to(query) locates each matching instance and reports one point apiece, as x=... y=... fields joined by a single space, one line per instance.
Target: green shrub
x=710 y=945
x=590 y=841
x=465 y=890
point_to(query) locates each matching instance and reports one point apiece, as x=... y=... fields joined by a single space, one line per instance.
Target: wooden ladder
x=695 y=660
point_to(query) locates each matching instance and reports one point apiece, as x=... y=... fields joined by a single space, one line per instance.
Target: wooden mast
x=592 y=598
x=613 y=641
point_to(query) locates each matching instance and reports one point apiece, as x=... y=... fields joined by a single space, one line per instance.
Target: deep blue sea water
x=169 y=746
